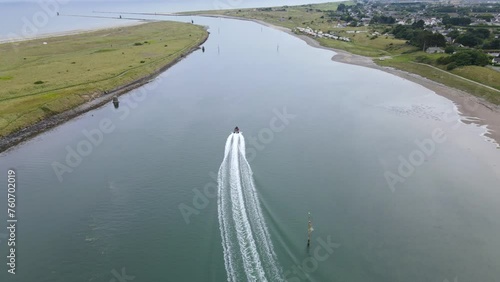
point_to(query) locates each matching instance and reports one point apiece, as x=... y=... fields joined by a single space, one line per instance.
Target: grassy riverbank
x=43 y=77
x=369 y=41
x=462 y=78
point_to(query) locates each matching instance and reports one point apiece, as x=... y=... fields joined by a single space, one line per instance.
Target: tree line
x=417 y=36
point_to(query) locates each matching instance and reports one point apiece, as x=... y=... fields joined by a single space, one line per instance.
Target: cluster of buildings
x=436 y=21
x=321 y=34
x=437 y=18
x=411 y=13
x=493 y=21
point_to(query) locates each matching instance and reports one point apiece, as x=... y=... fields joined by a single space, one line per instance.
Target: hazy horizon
x=31 y=18
x=233 y=2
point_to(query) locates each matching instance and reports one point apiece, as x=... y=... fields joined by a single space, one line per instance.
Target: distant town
x=436 y=27
x=453 y=43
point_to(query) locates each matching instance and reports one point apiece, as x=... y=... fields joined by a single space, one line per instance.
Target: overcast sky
x=236 y=3
x=69 y=1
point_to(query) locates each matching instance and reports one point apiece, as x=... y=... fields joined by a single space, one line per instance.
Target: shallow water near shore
x=321 y=137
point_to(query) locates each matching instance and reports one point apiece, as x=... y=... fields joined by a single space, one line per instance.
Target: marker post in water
x=310 y=229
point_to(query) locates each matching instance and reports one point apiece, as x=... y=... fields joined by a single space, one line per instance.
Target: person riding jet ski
x=236 y=130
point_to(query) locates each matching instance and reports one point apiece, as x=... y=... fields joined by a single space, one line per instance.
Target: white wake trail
x=248 y=251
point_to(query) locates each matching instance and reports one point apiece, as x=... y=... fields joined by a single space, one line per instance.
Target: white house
x=432 y=50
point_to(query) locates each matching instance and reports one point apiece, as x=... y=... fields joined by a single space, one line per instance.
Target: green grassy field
x=480 y=74
x=484 y=75
x=287 y=16
x=38 y=80
x=365 y=44
x=397 y=53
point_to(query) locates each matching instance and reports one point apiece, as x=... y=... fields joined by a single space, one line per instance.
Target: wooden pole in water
x=310 y=229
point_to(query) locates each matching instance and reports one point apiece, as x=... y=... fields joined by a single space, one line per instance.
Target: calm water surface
x=345 y=129
x=20 y=19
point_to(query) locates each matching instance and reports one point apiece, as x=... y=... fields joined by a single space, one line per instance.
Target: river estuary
x=398 y=188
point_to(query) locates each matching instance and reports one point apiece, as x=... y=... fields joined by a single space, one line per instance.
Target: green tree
x=468 y=39
x=493 y=44
x=481 y=33
x=420 y=24
x=470 y=57
x=454 y=34
x=456 y=21
x=464 y=58
x=425 y=39
x=451 y=66
x=383 y=20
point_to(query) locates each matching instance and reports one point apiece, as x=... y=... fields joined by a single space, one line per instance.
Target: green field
x=480 y=74
x=38 y=80
x=446 y=78
x=366 y=42
x=409 y=62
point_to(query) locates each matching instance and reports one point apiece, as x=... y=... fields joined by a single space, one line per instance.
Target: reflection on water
x=119 y=206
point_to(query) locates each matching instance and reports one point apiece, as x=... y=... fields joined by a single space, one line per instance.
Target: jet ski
x=236 y=130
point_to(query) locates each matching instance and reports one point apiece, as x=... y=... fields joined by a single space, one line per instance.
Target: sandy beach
x=468 y=105
x=483 y=112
